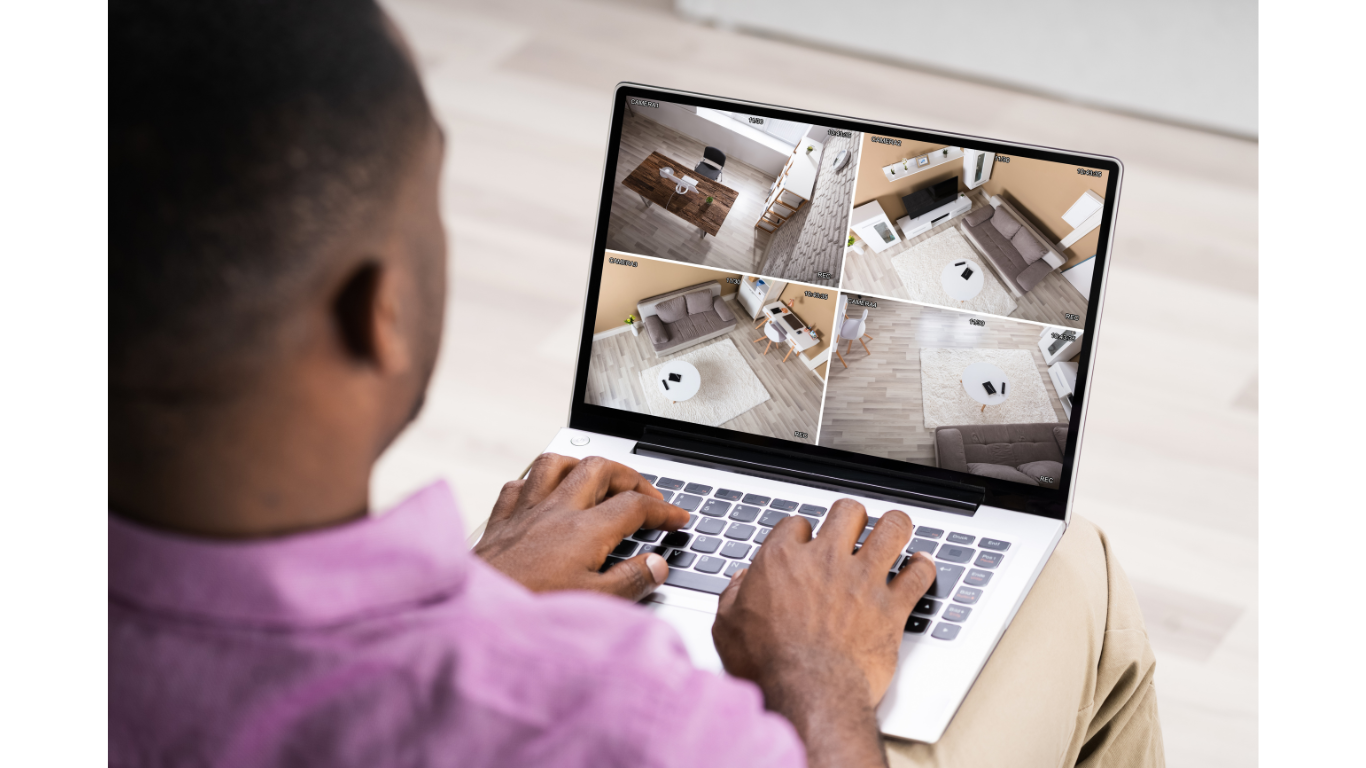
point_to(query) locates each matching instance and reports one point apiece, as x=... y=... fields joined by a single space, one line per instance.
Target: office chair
x=713 y=160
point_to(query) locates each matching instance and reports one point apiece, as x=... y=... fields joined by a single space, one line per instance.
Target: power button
x=578 y=440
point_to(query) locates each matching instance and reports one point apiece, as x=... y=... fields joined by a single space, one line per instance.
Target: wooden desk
x=646 y=182
x=798 y=335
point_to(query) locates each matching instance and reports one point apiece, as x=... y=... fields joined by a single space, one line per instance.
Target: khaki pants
x=1071 y=682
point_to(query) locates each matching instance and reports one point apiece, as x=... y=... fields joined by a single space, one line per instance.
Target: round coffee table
x=689 y=380
x=954 y=284
x=977 y=373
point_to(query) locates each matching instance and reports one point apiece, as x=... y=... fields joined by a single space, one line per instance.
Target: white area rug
x=921 y=269
x=729 y=387
x=947 y=404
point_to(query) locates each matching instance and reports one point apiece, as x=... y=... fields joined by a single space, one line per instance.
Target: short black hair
x=244 y=135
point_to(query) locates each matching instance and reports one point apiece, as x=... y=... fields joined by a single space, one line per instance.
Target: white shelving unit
x=925 y=222
x=793 y=187
x=904 y=168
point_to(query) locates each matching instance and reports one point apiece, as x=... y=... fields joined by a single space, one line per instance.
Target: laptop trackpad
x=695 y=629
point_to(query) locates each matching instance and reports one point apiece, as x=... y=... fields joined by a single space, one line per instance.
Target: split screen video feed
x=912 y=301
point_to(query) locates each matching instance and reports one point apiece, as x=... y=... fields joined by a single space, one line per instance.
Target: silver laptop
x=787 y=307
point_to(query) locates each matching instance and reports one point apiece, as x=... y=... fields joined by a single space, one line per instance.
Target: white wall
x=1187 y=61
x=736 y=146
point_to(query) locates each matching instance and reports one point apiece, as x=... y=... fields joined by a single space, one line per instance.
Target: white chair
x=775 y=334
x=852 y=329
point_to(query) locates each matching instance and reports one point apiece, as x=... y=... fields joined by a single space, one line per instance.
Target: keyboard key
x=710 y=565
x=710 y=526
x=955 y=554
x=915 y=625
x=715 y=508
x=811 y=520
x=625 y=549
x=692 y=520
x=734 y=568
x=811 y=509
x=996 y=545
x=687 y=501
x=757 y=500
x=988 y=560
x=862 y=537
x=956 y=613
x=783 y=504
x=929 y=533
x=771 y=518
x=927 y=606
x=740 y=531
x=611 y=561
x=745 y=513
x=967 y=596
x=946 y=631
x=705 y=544
x=677 y=539
x=961 y=538
x=680 y=559
x=692 y=580
x=668 y=496
x=763 y=534
x=921 y=545
x=668 y=484
x=945 y=580
x=647 y=535
x=977 y=578
x=735 y=550
x=646 y=549
x=725 y=494
x=698 y=488
x=649 y=478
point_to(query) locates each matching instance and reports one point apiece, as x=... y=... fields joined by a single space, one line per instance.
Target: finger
x=883 y=546
x=507 y=500
x=547 y=473
x=914 y=580
x=795 y=528
x=626 y=513
x=728 y=594
x=846 y=521
x=633 y=579
x=596 y=479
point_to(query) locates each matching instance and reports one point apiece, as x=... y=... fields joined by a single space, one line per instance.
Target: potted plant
x=851 y=240
x=709 y=199
x=810 y=148
x=633 y=324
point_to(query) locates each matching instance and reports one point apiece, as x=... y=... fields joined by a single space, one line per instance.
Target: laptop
x=787 y=307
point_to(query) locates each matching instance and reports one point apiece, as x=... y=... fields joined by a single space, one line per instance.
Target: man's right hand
x=818 y=626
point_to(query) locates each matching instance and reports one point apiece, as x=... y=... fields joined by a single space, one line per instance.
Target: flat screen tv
x=923 y=201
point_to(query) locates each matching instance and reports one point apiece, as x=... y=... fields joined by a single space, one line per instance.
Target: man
x=277 y=288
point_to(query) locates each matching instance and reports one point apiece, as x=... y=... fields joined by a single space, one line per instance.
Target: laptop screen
x=914 y=301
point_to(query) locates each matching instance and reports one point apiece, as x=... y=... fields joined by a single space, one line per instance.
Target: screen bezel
x=1004 y=494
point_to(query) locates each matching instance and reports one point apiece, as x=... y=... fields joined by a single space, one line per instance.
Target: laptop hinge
x=839 y=476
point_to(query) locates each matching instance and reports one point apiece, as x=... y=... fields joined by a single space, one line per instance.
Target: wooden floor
x=794 y=391
x=875 y=406
x=1047 y=302
x=1170 y=455
x=635 y=227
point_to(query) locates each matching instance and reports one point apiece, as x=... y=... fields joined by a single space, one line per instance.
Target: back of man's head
x=247 y=137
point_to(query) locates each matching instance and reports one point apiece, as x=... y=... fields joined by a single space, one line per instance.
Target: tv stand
x=927 y=221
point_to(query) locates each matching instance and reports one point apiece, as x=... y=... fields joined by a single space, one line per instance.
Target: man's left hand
x=554 y=529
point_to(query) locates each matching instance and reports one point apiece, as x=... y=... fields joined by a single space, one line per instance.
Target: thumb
x=732 y=589
x=634 y=579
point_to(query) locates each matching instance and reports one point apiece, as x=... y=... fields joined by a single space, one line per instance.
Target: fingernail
x=658 y=568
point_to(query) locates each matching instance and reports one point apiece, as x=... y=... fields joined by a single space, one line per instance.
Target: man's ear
x=367 y=318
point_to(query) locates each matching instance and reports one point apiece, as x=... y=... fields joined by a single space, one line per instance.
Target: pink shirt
x=384 y=642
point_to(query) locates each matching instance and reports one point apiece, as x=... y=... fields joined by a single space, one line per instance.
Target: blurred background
x=523 y=88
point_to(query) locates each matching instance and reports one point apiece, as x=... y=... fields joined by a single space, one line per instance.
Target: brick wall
x=812 y=241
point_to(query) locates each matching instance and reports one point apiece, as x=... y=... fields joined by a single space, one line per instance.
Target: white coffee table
x=954 y=284
x=975 y=374
x=678 y=391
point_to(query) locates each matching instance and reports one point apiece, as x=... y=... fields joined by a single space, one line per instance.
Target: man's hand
x=818 y=626
x=554 y=529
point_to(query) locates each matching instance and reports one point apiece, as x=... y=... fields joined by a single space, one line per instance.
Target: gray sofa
x=1018 y=252
x=686 y=317
x=1021 y=453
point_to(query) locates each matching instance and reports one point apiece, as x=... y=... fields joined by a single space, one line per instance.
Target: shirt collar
x=414 y=552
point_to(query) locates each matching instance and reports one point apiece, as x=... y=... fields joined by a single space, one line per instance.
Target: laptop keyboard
x=726 y=527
